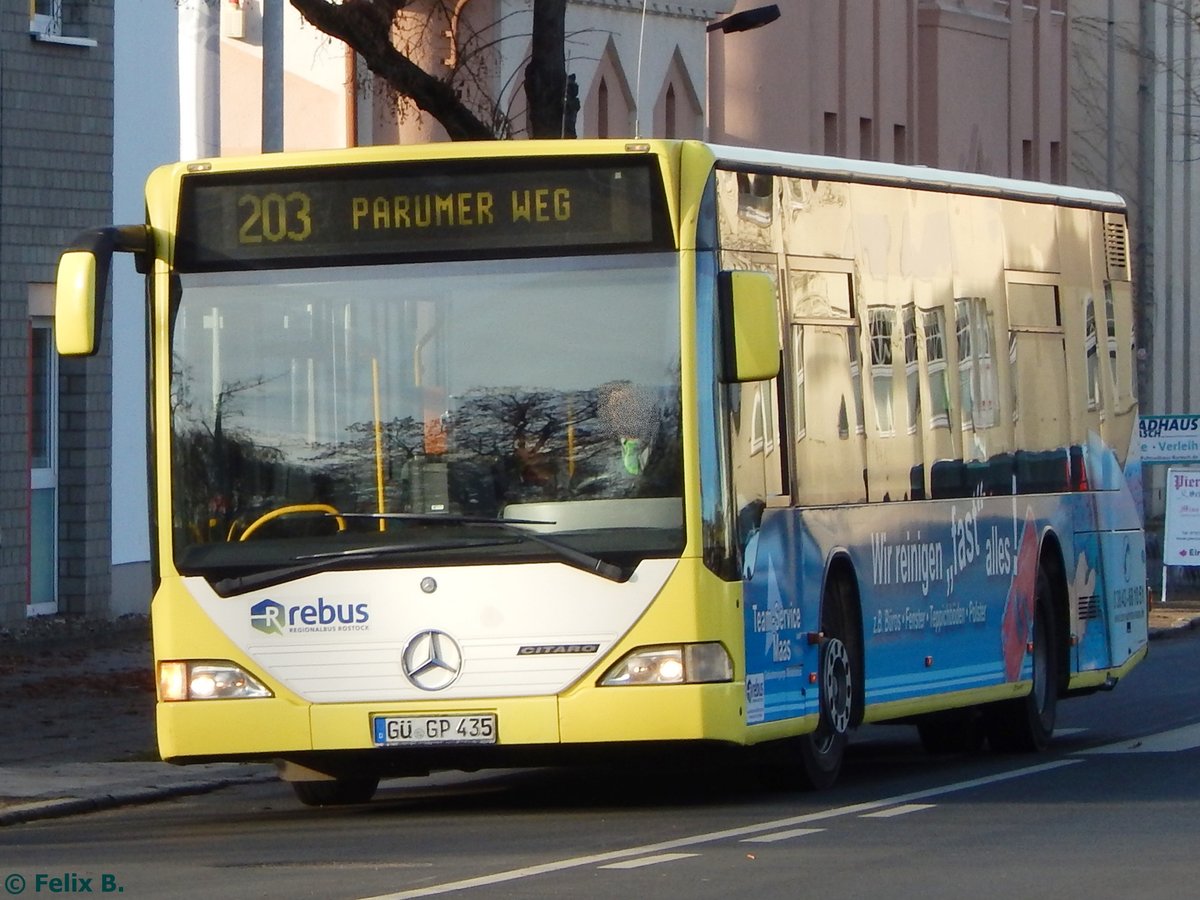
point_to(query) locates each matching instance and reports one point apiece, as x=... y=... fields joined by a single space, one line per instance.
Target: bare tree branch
x=366 y=27
x=371 y=29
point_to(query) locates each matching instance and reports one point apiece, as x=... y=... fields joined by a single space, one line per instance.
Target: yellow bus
x=474 y=455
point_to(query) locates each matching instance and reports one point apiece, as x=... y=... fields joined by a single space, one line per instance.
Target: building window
x=933 y=324
x=977 y=375
x=801 y=424
x=1091 y=345
x=831 y=134
x=762 y=427
x=755 y=197
x=866 y=139
x=855 y=389
x=46 y=17
x=900 y=144
x=670 y=112
x=912 y=368
x=602 y=109
x=46 y=23
x=882 y=323
x=1012 y=367
x=1111 y=320
x=43 y=499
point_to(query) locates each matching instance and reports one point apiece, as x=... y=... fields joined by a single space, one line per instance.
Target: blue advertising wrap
x=947 y=592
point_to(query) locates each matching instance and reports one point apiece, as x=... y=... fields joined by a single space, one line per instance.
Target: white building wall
x=1173 y=274
x=145 y=135
x=645 y=54
x=316 y=79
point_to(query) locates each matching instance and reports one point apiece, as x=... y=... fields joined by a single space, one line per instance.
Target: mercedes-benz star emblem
x=432 y=660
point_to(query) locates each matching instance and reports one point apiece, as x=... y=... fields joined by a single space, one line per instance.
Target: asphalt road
x=1112 y=810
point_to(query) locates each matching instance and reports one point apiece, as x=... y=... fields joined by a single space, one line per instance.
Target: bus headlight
x=207 y=680
x=672 y=664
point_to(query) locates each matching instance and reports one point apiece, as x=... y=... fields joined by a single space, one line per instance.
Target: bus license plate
x=391 y=731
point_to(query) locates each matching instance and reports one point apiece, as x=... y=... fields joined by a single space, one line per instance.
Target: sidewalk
x=77 y=723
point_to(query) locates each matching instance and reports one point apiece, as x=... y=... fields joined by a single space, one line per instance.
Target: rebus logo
x=272 y=617
x=267 y=617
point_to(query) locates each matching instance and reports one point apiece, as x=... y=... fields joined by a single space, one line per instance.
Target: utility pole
x=1144 y=227
x=199 y=79
x=272 y=76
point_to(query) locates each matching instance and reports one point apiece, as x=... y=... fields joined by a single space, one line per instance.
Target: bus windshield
x=385 y=406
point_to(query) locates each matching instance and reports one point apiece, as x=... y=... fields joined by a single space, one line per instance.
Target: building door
x=43 y=470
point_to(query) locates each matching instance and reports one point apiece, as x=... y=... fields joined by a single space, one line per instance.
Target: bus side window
x=1039 y=377
x=826 y=385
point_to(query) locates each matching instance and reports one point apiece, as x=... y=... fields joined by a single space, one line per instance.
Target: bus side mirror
x=75 y=306
x=751 y=319
x=82 y=280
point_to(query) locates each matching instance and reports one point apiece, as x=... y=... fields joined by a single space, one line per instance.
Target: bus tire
x=839 y=694
x=1025 y=724
x=336 y=792
x=821 y=751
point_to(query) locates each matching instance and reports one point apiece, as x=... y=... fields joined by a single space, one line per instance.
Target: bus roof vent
x=1116 y=248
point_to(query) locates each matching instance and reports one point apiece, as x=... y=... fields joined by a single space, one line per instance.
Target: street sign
x=1169 y=439
x=1181 y=534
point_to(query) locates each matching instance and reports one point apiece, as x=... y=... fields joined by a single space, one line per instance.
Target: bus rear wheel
x=1025 y=724
x=337 y=791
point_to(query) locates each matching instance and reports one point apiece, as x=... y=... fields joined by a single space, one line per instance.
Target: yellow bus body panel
x=654 y=713
x=1101 y=677
x=227 y=728
x=585 y=713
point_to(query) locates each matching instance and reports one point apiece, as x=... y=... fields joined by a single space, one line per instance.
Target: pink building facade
x=974 y=85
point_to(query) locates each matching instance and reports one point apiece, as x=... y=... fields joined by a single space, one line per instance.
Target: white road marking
x=781 y=835
x=648 y=861
x=1173 y=741
x=897 y=811
x=597 y=859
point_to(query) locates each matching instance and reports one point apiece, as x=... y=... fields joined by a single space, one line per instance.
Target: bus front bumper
x=526 y=729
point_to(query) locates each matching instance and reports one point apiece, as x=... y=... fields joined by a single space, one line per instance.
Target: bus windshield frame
x=314 y=410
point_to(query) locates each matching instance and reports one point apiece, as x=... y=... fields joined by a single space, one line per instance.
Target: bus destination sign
x=403 y=212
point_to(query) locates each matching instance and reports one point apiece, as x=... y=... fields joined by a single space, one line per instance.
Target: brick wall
x=56 y=142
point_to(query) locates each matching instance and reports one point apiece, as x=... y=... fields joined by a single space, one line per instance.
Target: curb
x=68 y=806
x=1182 y=627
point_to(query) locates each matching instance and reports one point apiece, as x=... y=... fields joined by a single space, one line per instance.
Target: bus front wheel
x=821 y=751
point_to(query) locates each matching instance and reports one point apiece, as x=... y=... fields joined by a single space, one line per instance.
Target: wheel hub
x=836 y=686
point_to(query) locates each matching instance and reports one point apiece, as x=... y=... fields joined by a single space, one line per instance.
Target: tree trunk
x=546 y=73
x=366 y=26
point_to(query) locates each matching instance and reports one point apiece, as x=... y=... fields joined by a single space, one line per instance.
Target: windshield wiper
x=565 y=553
x=313 y=563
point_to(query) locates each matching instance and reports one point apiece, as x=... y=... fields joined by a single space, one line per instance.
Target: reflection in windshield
x=483 y=389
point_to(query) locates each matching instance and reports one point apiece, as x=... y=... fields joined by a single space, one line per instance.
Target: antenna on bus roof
x=637 y=90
